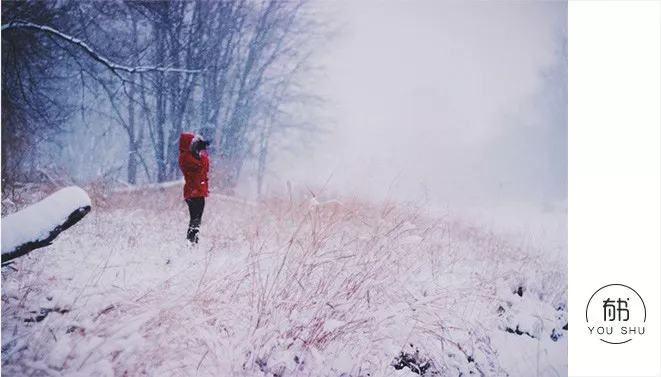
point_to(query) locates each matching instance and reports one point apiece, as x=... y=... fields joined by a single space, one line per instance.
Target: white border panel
x=614 y=175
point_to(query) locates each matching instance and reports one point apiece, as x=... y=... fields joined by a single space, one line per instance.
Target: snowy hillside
x=282 y=288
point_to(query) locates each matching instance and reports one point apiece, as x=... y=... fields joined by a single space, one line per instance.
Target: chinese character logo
x=610 y=310
x=616 y=314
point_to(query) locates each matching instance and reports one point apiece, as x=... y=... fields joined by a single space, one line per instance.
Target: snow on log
x=39 y=224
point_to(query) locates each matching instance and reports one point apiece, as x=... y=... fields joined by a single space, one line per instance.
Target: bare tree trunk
x=261 y=162
x=132 y=168
x=161 y=103
x=134 y=144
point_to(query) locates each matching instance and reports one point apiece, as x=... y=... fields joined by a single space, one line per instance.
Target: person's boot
x=192 y=236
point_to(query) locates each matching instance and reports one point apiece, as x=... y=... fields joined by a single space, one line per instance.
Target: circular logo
x=616 y=314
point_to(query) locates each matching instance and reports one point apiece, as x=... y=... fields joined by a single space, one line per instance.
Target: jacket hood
x=185 y=140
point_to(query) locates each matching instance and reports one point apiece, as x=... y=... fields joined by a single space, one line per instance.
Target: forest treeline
x=120 y=80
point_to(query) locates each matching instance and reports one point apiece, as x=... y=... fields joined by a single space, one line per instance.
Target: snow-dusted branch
x=90 y=51
x=180 y=182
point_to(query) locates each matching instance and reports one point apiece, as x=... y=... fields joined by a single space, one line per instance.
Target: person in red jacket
x=194 y=165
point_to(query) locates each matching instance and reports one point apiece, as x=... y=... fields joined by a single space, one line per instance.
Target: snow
x=332 y=325
x=162 y=185
x=282 y=288
x=35 y=222
x=178 y=183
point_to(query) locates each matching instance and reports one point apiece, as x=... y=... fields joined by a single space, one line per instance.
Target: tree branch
x=90 y=51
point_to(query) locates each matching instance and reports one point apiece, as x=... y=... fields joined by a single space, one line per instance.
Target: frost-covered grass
x=286 y=287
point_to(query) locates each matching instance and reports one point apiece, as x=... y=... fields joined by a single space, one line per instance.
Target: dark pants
x=195 y=208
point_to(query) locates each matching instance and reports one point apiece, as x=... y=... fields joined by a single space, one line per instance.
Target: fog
x=441 y=102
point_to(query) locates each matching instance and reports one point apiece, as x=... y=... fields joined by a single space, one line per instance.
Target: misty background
x=445 y=101
x=435 y=102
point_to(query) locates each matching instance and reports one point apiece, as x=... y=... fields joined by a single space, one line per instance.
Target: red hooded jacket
x=194 y=170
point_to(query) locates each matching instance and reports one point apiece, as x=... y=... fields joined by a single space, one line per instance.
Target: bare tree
x=34 y=107
x=271 y=51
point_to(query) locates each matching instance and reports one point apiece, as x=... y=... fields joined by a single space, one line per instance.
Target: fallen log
x=39 y=224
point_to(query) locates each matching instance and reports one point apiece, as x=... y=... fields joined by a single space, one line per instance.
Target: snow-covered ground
x=283 y=288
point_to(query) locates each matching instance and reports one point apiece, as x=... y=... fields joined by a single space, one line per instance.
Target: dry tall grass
x=287 y=286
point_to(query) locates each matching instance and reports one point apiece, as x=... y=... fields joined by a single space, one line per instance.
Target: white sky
x=419 y=90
